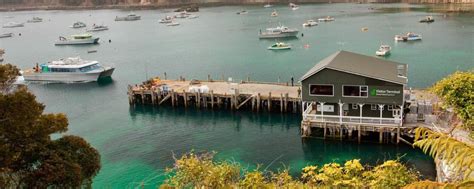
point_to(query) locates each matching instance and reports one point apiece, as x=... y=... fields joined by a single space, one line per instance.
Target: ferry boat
x=68 y=70
x=278 y=32
x=326 y=19
x=408 y=37
x=5 y=35
x=78 y=25
x=81 y=39
x=279 y=46
x=97 y=28
x=13 y=25
x=310 y=23
x=428 y=19
x=274 y=13
x=129 y=17
x=35 y=20
x=384 y=50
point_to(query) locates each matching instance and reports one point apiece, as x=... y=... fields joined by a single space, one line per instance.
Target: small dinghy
x=279 y=46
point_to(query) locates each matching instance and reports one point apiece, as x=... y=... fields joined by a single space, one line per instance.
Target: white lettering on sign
x=384 y=92
x=326 y=108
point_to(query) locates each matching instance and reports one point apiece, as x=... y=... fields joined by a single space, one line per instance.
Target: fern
x=459 y=155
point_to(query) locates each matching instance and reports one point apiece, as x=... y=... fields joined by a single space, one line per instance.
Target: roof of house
x=362 y=65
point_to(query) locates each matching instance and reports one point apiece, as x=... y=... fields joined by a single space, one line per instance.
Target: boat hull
x=6 y=35
x=382 y=53
x=279 y=48
x=278 y=35
x=78 y=42
x=68 y=77
x=128 y=18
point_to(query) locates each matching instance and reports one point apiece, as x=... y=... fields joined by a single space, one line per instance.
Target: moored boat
x=78 y=25
x=268 y=5
x=294 y=6
x=274 y=13
x=35 y=20
x=242 y=12
x=173 y=24
x=384 y=50
x=310 y=23
x=166 y=20
x=13 y=25
x=82 y=39
x=408 y=37
x=193 y=16
x=279 y=46
x=5 y=35
x=326 y=19
x=129 y=17
x=428 y=19
x=278 y=32
x=97 y=28
x=68 y=70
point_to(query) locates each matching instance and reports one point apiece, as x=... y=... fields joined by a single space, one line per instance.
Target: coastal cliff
x=85 y=4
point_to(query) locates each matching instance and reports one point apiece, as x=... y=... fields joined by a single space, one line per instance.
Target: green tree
x=8 y=74
x=29 y=158
x=457 y=91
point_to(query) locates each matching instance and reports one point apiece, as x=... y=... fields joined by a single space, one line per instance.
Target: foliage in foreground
x=457 y=91
x=29 y=158
x=459 y=155
x=201 y=171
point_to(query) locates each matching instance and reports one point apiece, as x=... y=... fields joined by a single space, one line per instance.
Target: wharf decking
x=255 y=96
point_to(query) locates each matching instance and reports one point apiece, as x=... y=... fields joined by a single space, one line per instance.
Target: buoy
x=110 y=41
x=19 y=34
x=302 y=34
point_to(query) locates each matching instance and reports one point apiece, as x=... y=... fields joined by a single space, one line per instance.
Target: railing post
x=360 y=112
x=381 y=112
x=340 y=112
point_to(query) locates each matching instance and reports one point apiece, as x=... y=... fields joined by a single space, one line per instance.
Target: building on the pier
x=349 y=89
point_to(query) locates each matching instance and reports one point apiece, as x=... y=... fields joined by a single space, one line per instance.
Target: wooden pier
x=210 y=94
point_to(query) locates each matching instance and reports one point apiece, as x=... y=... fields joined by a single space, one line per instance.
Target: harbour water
x=136 y=144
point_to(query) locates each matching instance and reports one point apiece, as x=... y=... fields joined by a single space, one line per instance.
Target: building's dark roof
x=363 y=65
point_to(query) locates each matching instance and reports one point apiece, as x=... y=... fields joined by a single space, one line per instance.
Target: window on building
x=355 y=106
x=373 y=107
x=355 y=91
x=321 y=90
x=390 y=107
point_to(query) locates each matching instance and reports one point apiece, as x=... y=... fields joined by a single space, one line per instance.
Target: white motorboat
x=181 y=15
x=166 y=20
x=35 y=20
x=78 y=25
x=13 y=25
x=5 y=35
x=408 y=37
x=97 y=28
x=279 y=46
x=384 y=50
x=278 y=32
x=428 y=19
x=82 y=39
x=310 y=23
x=193 y=16
x=68 y=70
x=326 y=19
x=274 y=13
x=242 y=12
x=294 y=6
x=129 y=17
x=268 y=5
x=173 y=24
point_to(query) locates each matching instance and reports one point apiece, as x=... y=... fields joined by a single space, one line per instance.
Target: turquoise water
x=137 y=144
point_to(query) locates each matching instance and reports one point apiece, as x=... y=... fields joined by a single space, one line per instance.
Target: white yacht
x=326 y=19
x=35 y=20
x=193 y=16
x=173 y=24
x=97 y=28
x=384 y=50
x=13 y=25
x=181 y=15
x=81 y=39
x=166 y=20
x=129 y=17
x=242 y=12
x=278 y=32
x=310 y=23
x=408 y=37
x=78 y=25
x=68 y=70
x=5 y=35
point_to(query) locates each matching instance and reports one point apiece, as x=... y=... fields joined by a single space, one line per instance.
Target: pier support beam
x=185 y=96
x=212 y=99
x=269 y=101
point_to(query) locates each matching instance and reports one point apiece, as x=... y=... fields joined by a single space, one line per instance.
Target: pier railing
x=376 y=121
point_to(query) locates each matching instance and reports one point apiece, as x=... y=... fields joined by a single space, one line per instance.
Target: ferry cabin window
x=321 y=90
x=62 y=70
x=89 y=68
x=355 y=91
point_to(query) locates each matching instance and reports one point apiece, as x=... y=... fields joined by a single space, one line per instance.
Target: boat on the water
x=82 y=39
x=78 y=25
x=326 y=19
x=428 y=19
x=97 y=28
x=13 y=25
x=68 y=70
x=274 y=13
x=268 y=5
x=166 y=20
x=310 y=23
x=279 y=46
x=173 y=24
x=294 y=6
x=193 y=16
x=408 y=37
x=129 y=17
x=5 y=35
x=35 y=20
x=242 y=12
x=181 y=15
x=278 y=32
x=384 y=50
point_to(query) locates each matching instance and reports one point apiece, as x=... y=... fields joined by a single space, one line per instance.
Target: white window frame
x=355 y=106
x=309 y=89
x=390 y=107
x=360 y=91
